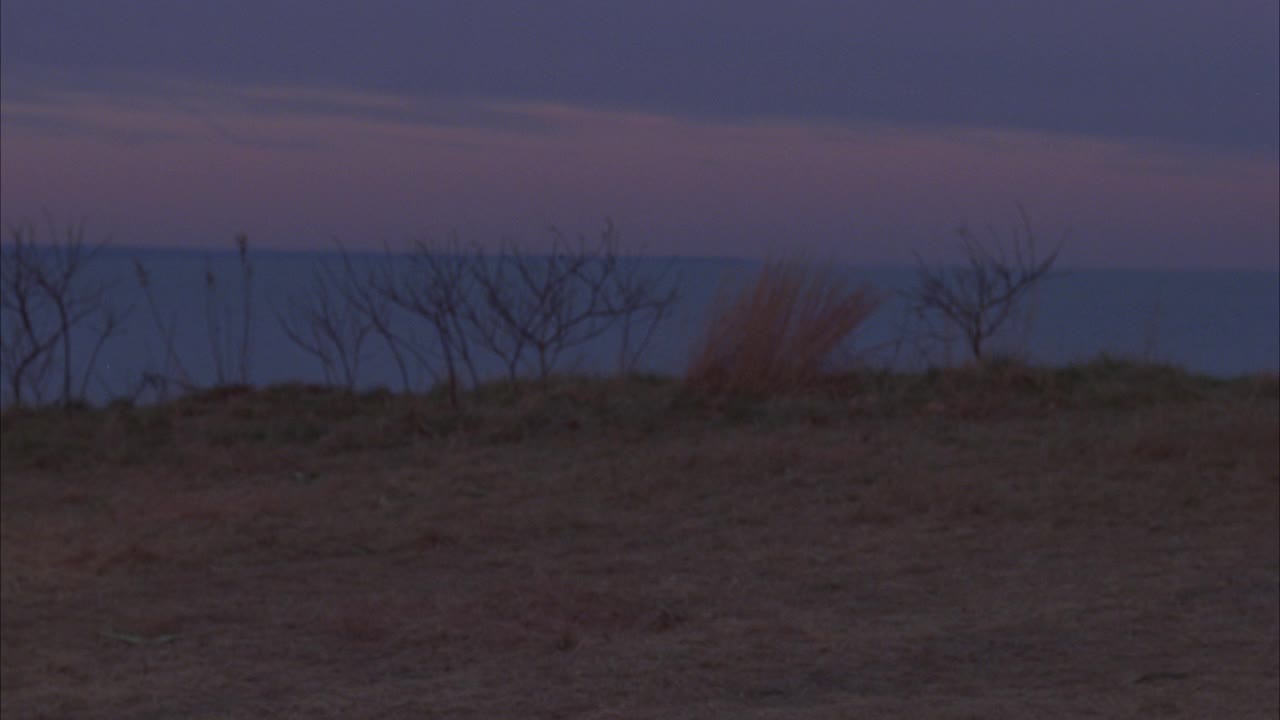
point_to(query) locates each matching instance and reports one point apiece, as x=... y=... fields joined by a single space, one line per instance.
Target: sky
x=1142 y=134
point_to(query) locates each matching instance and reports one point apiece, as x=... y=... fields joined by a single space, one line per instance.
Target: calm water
x=1222 y=323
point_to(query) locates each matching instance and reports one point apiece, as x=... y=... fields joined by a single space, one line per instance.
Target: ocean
x=1222 y=323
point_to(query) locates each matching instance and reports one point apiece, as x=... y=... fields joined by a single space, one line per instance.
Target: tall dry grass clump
x=779 y=331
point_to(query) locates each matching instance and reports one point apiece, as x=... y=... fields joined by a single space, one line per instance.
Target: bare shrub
x=531 y=308
x=437 y=288
x=526 y=310
x=366 y=291
x=641 y=302
x=325 y=324
x=978 y=296
x=779 y=331
x=44 y=296
x=345 y=305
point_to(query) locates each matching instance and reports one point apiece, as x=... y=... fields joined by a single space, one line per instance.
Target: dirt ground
x=1113 y=562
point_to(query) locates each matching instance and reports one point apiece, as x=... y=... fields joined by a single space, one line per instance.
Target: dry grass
x=778 y=332
x=329 y=422
x=1103 y=544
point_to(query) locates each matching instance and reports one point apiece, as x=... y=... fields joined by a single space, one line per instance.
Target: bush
x=779 y=332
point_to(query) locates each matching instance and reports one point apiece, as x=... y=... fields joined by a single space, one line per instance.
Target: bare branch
x=980 y=296
x=549 y=304
x=43 y=298
x=323 y=324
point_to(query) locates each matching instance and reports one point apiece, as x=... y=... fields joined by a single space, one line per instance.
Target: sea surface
x=1223 y=323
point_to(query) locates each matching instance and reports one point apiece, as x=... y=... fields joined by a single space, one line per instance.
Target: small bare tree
x=977 y=297
x=531 y=309
x=44 y=297
x=526 y=310
x=640 y=300
x=322 y=322
x=439 y=288
x=347 y=303
x=365 y=290
x=28 y=337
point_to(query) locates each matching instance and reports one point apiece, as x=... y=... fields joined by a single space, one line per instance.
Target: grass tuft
x=779 y=332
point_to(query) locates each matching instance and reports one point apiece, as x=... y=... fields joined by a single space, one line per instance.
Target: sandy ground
x=1083 y=563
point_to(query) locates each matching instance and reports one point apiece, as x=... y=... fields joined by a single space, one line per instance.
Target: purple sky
x=862 y=131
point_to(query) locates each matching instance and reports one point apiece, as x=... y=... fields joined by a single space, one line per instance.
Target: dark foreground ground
x=618 y=552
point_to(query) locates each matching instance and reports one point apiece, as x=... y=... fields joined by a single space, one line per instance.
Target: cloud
x=1180 y=71
x=179 y=162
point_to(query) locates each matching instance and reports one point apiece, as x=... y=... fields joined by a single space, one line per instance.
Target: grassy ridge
x=333 y=421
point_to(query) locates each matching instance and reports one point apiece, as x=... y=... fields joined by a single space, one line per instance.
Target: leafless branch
x=545 y=305
x=44 y=297
x=437 y=288
x=325 y=324
x=978 y=296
